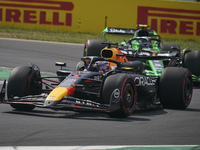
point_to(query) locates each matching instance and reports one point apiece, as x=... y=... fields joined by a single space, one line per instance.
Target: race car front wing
x=67 y=103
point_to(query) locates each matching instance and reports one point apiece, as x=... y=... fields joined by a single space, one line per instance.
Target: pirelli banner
x=170 y=19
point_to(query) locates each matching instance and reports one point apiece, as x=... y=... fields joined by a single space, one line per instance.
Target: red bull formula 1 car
x=99 y=84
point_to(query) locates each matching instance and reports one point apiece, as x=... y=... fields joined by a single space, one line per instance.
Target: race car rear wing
x=159 y=56
x=124 y=31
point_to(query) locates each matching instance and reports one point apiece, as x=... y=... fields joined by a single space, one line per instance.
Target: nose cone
x=57 y=94
x=48 y=103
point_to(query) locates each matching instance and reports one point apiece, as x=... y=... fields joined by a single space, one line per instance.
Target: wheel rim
x=128 y=96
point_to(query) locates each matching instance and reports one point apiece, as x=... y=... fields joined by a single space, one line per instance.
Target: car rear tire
x=167 y=47
x=80 y=66
x=175 y=88
x=121 y=89
x=22 y=82
x=191 y=60
x=93 y=48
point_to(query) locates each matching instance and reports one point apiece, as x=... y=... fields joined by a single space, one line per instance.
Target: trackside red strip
x=55 y=5
x=174 y=16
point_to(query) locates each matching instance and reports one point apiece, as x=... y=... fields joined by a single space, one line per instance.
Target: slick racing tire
x=119 y=90
x=80 y=66
x=167 y=47
x=175 y=88
x=93 y=48
x=21 y=82
x=191 y=60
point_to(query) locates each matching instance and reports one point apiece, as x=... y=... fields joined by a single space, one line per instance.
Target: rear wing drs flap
x=124 y=31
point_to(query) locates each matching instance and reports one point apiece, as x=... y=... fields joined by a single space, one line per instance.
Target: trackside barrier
x=171 y=19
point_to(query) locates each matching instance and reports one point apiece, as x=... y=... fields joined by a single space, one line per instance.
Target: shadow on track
x=190 y=110
x=138 y=115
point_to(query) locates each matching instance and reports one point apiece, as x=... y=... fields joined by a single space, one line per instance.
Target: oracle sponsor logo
x=172 y=21
x=36 y=11
x=143 y=81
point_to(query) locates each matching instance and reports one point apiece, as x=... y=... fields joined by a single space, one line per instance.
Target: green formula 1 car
x=145 y=43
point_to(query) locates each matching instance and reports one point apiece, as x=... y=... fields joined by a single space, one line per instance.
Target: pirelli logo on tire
x=181 y=23
x=36 y=12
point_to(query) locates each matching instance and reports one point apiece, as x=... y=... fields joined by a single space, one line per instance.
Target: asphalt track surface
x=44 y=127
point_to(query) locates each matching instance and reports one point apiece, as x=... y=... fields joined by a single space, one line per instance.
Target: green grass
x=67 y=37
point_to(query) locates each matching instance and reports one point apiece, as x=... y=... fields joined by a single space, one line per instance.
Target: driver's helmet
x=102 y=66
x=144 y=42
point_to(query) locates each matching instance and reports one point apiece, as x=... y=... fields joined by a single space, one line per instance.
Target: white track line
x=77 y=44
x=90 y=147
